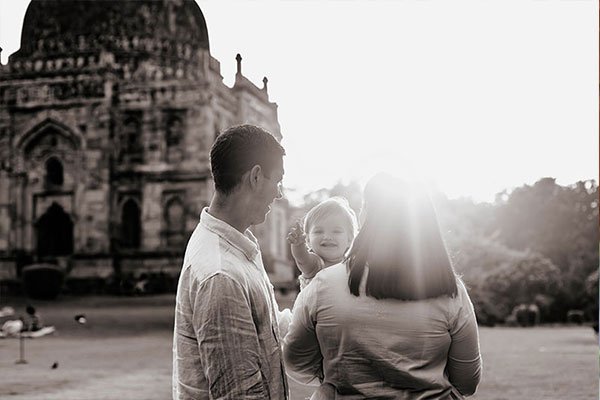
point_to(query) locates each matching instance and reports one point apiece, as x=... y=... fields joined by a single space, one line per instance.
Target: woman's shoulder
x=461 y=299
x=330 y=278
x=333 y=272
x=461 y=289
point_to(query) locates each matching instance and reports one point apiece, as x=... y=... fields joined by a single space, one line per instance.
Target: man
x=226 y=342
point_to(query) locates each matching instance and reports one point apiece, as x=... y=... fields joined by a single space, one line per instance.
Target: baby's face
x=329 y=238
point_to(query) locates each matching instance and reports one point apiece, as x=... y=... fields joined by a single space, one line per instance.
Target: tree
x=351 y=192
x=591 y=289
x=560 y=222
x=499 y=278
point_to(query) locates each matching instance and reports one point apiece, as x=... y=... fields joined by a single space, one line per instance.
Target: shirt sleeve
x=464 y=358
x=307 y=261
x=301 y=352
x=305 y=280
x=227 y=339
x=284 y=317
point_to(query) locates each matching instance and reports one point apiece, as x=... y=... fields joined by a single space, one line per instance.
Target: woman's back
x=383 y=348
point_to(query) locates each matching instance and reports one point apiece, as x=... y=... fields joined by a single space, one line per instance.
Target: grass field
x=124 y=352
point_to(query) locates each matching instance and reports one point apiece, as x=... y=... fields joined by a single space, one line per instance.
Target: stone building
x=107 y=114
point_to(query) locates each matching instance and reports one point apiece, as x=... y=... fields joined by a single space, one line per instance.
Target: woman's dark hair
x=240 y=148
x=400 y=243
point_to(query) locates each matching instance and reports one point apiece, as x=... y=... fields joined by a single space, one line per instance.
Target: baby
x=329 y=229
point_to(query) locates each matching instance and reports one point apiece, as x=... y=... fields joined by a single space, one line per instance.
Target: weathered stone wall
x=130 y=117
x=5 y=213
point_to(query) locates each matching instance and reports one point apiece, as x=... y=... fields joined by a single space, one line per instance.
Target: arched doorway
x=54 y=233
x=130 y=225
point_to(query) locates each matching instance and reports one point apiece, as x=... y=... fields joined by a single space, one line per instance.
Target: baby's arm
x=306 y=261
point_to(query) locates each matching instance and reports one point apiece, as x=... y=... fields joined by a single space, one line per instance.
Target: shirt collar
x=246 y=242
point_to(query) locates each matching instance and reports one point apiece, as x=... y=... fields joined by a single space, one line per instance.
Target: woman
x=393 y=321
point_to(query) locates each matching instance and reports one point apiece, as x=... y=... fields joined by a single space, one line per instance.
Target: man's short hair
x=237 y=150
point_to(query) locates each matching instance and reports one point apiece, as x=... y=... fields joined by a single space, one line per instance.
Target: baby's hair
x=333 y=206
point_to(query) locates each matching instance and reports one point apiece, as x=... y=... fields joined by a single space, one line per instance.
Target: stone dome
x=52 y=27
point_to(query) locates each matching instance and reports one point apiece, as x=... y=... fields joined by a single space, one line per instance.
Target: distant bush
x=43 y=281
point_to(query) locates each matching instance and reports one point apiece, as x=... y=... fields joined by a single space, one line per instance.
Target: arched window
x=130 y=225
x=174 y=132
x=54 y=172
x=175 y=221
x=130 y=138
x=174 y=136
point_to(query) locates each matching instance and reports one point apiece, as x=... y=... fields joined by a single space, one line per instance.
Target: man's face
x=268 y=190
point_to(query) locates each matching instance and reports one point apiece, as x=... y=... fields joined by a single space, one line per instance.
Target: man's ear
x=255 y=176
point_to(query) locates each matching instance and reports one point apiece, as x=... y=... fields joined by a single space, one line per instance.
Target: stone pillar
x=238 y=58
x=5 y=222
x=151 y=216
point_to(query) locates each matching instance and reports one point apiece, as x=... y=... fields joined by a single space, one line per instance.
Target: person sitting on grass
x=33 y=322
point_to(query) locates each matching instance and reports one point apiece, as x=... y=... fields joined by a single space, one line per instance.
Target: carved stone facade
x=107 y=115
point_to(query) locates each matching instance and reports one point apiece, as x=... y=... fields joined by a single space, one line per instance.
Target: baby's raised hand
x=296 y=234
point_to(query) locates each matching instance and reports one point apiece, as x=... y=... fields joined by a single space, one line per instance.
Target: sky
x=472 y=96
